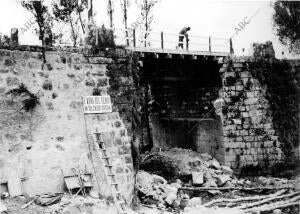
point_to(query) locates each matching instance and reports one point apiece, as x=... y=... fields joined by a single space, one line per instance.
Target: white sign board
x=97 y=104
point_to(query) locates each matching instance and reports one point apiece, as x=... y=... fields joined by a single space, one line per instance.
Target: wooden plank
x=14 y=184
x=199 y=189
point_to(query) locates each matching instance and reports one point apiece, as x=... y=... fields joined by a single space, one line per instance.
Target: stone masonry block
x=245 y=114
x=249 y=139
x=251 y=101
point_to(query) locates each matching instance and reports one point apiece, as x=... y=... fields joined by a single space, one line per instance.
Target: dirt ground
x=67 y=205
x=159 y=194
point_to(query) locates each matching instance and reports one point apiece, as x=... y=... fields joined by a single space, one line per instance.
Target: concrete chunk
x=222 y=179
x=206 y=156
x=195 y=202
x=210 y=183
x=227 y=170
x=214 y=164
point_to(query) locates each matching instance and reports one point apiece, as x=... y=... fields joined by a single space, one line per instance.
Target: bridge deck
x=177 y=52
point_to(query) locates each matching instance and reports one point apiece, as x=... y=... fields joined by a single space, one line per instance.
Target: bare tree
x=42 y=16
x=146 y=7
x=66 y=11
x=124 y=6
x=110 y=12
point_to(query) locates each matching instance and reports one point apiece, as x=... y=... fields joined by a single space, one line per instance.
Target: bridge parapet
x=162 y=42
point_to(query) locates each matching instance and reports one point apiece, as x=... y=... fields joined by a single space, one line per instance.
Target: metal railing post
x=209 y=44
x=126 y=34
x=231 y=47
x=134 y=41
x=162 y=40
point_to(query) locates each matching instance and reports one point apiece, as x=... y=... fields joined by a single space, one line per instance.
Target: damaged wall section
x=181 y=93
x=249 y=135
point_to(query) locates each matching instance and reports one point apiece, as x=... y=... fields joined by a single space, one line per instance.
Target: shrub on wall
x=30 y=100
x=4 y=41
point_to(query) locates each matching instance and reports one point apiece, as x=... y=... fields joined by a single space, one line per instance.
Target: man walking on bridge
x=182 y=34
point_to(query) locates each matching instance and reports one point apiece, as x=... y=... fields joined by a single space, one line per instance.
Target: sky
x=215 y=18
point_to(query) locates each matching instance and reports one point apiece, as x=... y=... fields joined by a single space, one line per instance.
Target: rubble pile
x=154 y=190
x=200 y=169
x=199 y=172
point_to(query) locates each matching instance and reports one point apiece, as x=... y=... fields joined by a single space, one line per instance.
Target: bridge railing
x=162 y=40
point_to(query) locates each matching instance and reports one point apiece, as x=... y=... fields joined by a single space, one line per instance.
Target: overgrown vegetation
x=100 y=38
x=283 y=98
x=30 y=100
x=287 y=24
x=4 y=40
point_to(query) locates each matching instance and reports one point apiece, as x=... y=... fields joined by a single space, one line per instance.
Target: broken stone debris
x=201 y=169
x=154 y=190
x=190 y=169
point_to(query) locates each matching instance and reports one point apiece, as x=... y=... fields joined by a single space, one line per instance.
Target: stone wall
x=39 y=143
x=249 y=135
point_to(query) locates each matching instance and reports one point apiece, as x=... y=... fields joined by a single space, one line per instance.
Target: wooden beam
x=231 y=51
x=209 y=41
x=200 y=189
x=134 y=41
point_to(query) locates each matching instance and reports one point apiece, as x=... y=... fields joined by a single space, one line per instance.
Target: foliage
x=67 y=11
x=42 y=16
x=100 y=38
x=4 y=40
x=286 y=22
x=282 y=95
x=30 y=100
x=146 y=7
